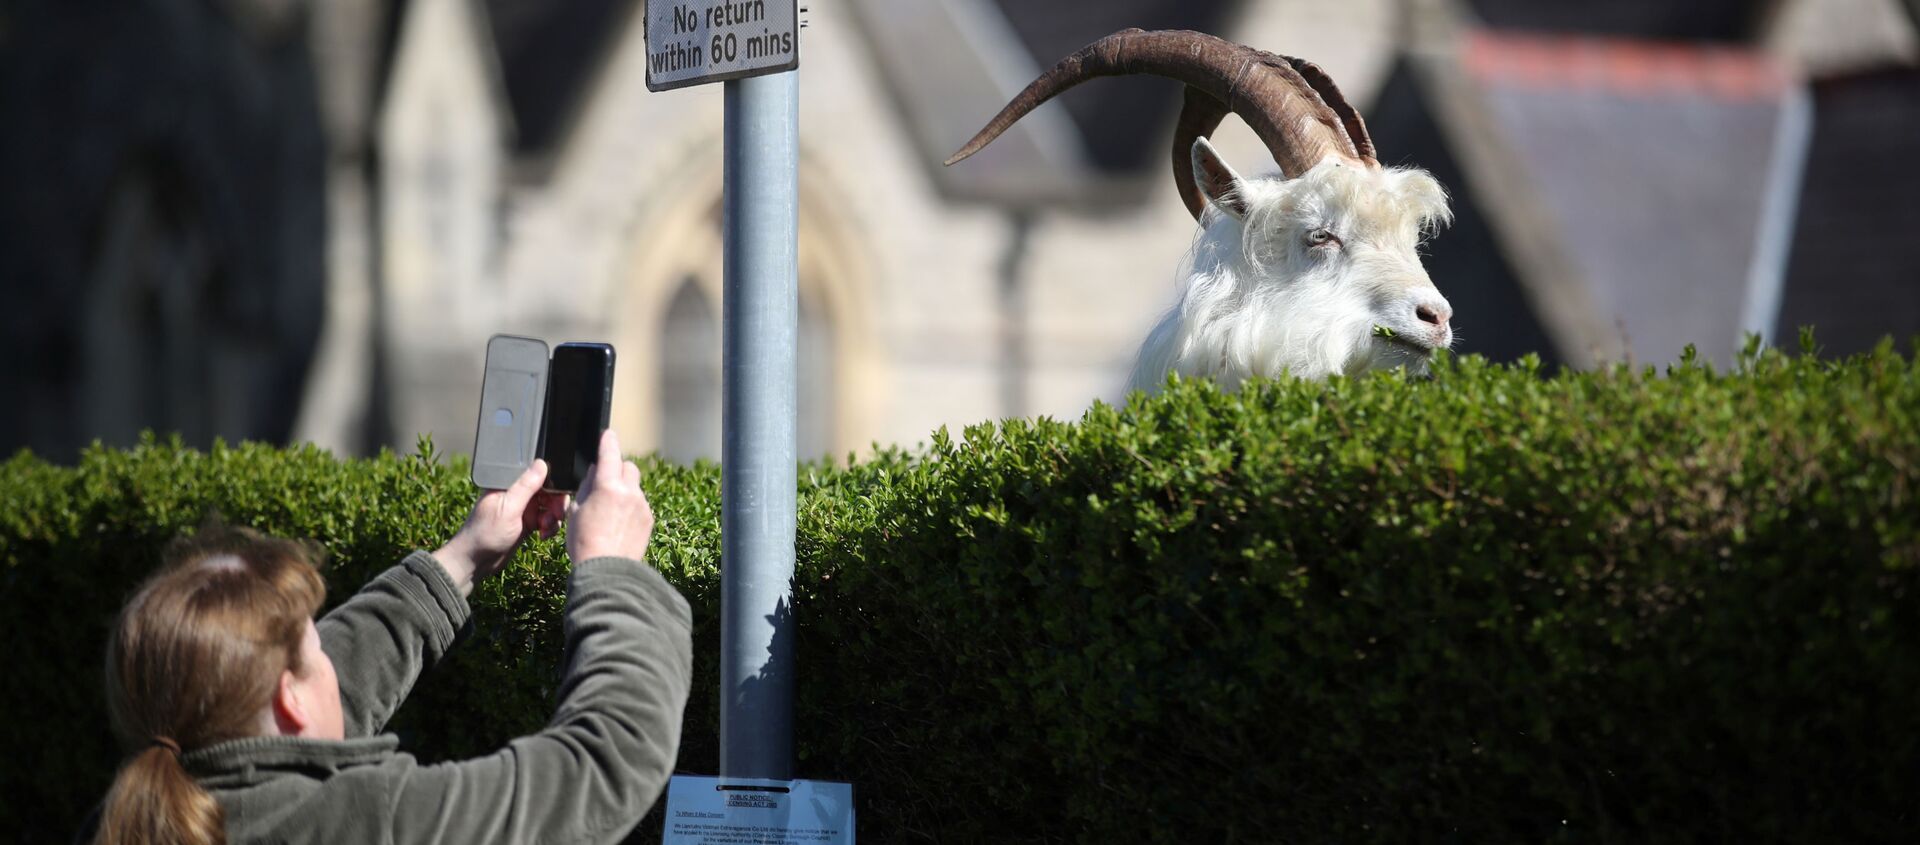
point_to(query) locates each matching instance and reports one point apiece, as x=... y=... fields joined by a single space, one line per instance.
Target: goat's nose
x=1436 y=313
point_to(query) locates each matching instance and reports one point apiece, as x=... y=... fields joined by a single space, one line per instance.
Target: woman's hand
x=612 y=517
x=500 y=522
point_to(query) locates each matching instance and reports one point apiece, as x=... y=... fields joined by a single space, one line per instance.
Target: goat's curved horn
x=1200 y=114
x=1350 y=121
x=1290 y=103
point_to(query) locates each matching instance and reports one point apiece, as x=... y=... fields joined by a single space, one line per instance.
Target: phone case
x=513 y=397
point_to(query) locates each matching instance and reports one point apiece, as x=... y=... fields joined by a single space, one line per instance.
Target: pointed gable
x=1669 y=173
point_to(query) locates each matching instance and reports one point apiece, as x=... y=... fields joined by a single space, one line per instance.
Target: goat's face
x=1328 y=265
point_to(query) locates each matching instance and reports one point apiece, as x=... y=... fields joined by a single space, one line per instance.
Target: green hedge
x=1494 y=606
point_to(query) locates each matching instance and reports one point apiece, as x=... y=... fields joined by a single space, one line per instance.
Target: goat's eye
x=1322 y=237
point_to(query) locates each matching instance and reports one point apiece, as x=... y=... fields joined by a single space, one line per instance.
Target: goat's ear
x=1216 y=180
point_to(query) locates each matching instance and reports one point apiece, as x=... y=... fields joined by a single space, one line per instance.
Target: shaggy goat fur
x=1260 y=298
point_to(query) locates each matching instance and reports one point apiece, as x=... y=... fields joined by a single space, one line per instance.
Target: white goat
x=1292 y=276
x=1309 y=273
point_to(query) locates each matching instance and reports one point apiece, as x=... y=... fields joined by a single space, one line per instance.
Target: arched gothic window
x=690 y=390
x=815 y=392
x=689 y=361
x=157 y=350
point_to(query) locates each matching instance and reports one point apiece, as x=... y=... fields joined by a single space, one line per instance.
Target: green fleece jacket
x=587 y=777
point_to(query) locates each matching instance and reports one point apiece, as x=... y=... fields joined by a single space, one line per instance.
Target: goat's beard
x=1236 y=344
x=1389 y=353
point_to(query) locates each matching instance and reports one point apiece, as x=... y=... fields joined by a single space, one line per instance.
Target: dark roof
x=1654 y=162
x=549 y=51
x=1123 y=121
x=1854 y=273
x=1683 y=20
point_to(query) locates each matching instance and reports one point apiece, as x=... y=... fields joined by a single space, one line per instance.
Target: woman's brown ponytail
x=194 y=661
x=154 y=800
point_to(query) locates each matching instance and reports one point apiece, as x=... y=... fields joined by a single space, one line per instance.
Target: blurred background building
x=293 y=220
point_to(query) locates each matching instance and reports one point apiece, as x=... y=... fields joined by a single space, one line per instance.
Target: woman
x=248 y=721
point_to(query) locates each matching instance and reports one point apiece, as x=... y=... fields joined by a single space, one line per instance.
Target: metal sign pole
x=760 y=302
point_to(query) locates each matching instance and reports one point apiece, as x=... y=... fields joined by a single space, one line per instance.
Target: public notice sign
x=748 y=811
x=694 y=41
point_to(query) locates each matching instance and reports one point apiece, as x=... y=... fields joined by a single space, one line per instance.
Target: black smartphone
x=579 y=405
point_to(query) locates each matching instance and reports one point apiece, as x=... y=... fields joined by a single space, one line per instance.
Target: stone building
x=528 y=183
